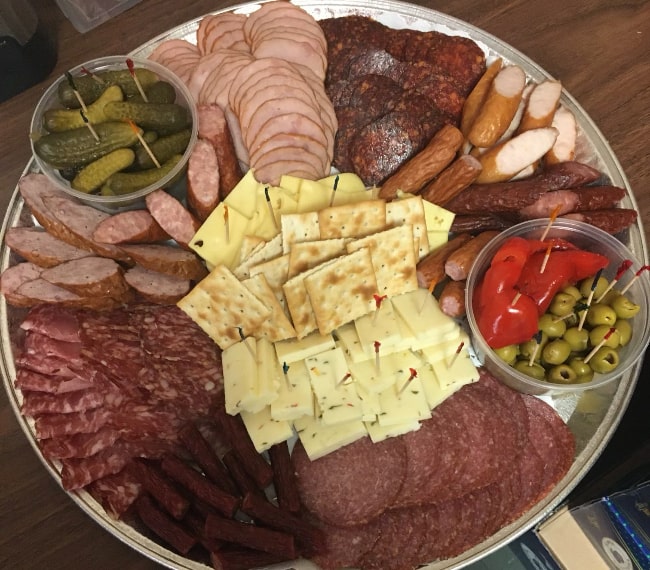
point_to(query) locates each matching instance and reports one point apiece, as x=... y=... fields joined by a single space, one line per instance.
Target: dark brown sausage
x=89 y=277
x=516 y=195
x=473 y=223
x=39 y=291
x=157 y=287
x=41 y=247
x=174 y=218
x=213 y=127
x=134 y=226
x=612 y=221
x=167 y=259
x=460 y=262
x=452 y=298
x=203 y=180
x=431 y=268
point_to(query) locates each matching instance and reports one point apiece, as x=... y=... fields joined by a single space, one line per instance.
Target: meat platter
x=592 y=415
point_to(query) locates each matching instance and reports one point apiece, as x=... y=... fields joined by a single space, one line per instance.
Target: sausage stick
x=164 y=526
x=237 y=558
x=452 y=298
x=477 y=96
x=612 y=220
x=425 y=165
x=245 y=483
x=452 y=180
x=564 y=148
x=540 y=108
x=461 y=260
x=472 y=223
x=159 y=487
x=251 y=536
x=503 y=161
x=284 y=477
x=499 y=108
x=431 y=268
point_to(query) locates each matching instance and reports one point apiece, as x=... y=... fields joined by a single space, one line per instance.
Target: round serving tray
x=592 y=415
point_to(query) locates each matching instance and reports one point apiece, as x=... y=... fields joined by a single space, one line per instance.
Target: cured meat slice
x=133 y=226
x=60 y=425
x=203 y=179
x=78 y=445
x=40 y=247
x=13 y=278
x=343 y=488
x=172 y=216
x=51 y=321
x=116 y=493
x=157 y=287
x=28 y=380
x=345 y=546
x=39 y=291
x=90 y=277
x=35 y=403
x=167 y=259
x=44 y=345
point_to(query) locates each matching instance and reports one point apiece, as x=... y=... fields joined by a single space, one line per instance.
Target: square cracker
x=393 y=259
x=352 y=220
x=222 y=306
x=278 y=326
x=269 y=250
x=276 y=272
x=410 y=210
x=297 y=228
x=342 y=290
x=308 y=254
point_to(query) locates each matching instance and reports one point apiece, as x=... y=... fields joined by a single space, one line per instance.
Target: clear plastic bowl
x=587 y=237
x=173 y=182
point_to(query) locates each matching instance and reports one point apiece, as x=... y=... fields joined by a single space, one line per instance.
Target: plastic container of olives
x=82 y=79
x=586 y=237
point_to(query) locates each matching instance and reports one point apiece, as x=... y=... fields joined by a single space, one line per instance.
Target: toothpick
x=334 y=187
x=576 y=309
x=270 y=206
x=129 y=64
x=96 y=77
x=538 y=339
x=377 y=344
x=342 y=380
x=285 y=371
x=430 y=289
x=413 y=374
x=144 y=144
x=596 y=348
x=622 y=268
x=68 y=76
x=243 y=339
x=378 y=301
x=554 y=215
x=594 y=283
x=87 y=123
x=636 y=276
x=455 y=356
x=515 y=299
x=226 y=222
x=545 y=260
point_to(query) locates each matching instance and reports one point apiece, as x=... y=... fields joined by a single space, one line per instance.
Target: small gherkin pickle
x=127 y=182
x=98 y=172
x=57 y=120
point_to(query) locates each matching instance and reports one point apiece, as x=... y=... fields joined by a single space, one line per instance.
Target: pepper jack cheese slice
x=295 y=398
x=337 y=400
x=292 y=350
x=264 y=431
x=379 y=433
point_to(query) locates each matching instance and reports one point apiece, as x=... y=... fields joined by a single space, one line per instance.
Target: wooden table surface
x=598 y=49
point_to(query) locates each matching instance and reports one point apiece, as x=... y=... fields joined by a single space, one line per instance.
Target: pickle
x=90 y=89
x=164 y=118
x=159 y=92
x=127 y=182
x=96 y=173
x=163 y=149
x=78 y=147
x=57 y=120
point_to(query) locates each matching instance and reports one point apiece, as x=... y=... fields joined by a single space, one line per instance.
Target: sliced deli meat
x=41 y=247
x=157 y=287
x=89 y=276
x=133 y=226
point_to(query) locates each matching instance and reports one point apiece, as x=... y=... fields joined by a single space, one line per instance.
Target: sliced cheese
x=379 y=433
x=295 y=398
x=348 y=340
x=293 y=349
x=380 y=325
x=423 y=317
x=455 y=371
x=264 y=431
x=370 y=405
x=337 y=399
x=240 y=376
x=403 y=403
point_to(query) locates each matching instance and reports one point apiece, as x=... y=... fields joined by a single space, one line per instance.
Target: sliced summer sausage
x=172 y=217
x=41 y=247
x=133 y=226
x=203 y=180
x=157 y=287
x=88 y=277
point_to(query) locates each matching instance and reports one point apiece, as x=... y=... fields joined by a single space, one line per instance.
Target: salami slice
x=344 y=488
x=116 y=493
x=78 y=445
x=35 y=403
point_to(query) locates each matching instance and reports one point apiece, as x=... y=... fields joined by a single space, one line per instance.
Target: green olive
x=549 y=324
x=624 y=307
x=556 y=351
x=527 y=348
x=608 y=299
x=605 y=360
x=562 y=374
x=586 y=284
x=584 y=372
x=600 y=314
x=624 y=329
x=535 y=371
x=597 y=334
x=578 y=339
x=573 y=291
x=508 y=353
x=562 y=304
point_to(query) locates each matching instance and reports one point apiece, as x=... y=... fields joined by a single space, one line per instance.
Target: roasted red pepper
x=514 y=291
